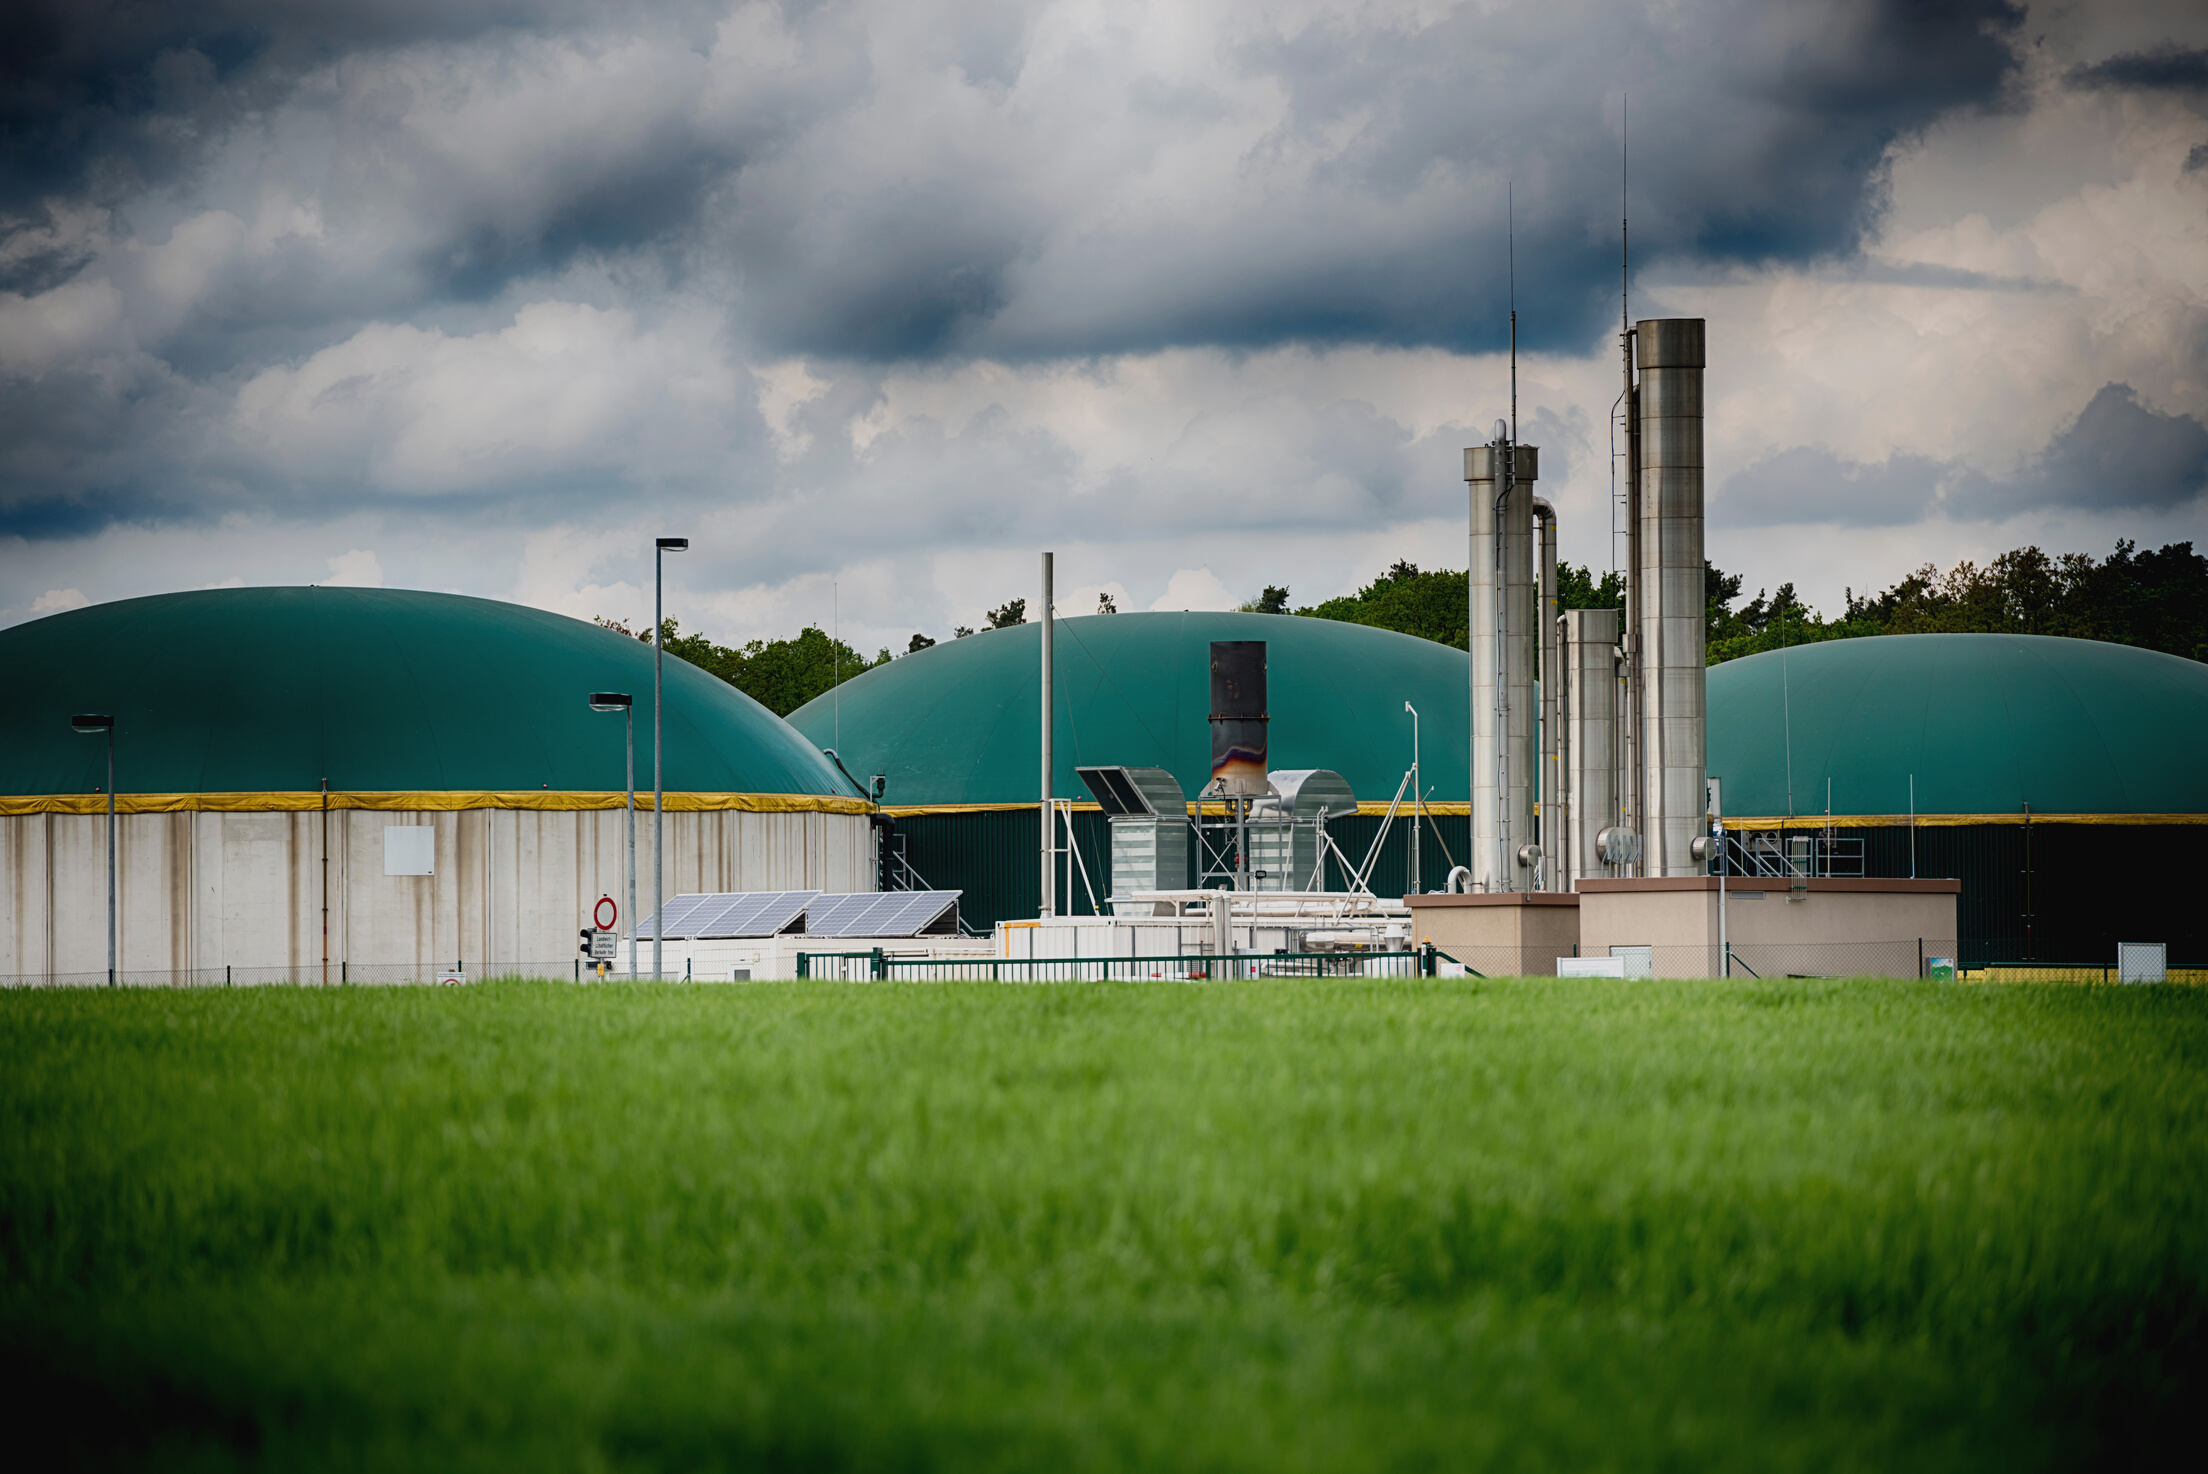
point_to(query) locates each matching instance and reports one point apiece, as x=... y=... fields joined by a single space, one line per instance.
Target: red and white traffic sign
x=605 y=913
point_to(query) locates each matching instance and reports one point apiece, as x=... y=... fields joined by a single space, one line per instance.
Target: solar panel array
x=883 y=914
x=730 y=914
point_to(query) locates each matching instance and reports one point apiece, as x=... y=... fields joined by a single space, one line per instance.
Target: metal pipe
x=659 y=791
x=1547 y=778
x=1673 y=748
x=112 y=934
x=1050 y=838
x=1418 y=806
x=628 y=718
x=661 y=547
x=1630 y=715
x=1717 y=833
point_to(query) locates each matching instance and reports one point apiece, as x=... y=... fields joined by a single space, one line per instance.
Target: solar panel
x=679 y=913
x=885 y=914
x=758 y=914
x=729 y=914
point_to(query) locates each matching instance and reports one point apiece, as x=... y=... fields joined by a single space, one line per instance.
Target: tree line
x=2157 y=600
x=782 y=675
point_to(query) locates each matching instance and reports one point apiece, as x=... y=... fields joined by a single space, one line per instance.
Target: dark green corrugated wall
x=2056 y=894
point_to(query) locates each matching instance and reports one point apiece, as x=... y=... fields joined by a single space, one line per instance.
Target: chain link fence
x=1927 y=958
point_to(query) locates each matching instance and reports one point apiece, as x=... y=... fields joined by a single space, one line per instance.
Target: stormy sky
x=875 y=300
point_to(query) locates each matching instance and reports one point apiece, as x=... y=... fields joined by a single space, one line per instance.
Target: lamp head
x=92 y=723
x=673 y=544
x=610 y=700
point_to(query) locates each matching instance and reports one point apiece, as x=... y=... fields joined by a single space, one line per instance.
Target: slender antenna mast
x=1625 y=253
x=1510 y=219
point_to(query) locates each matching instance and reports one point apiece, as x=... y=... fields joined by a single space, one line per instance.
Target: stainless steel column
x=1670 y=355
x=1591 y=732
x=1501 y=594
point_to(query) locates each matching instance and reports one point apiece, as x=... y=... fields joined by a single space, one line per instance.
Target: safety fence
x=1929 y=959
x=879 y=966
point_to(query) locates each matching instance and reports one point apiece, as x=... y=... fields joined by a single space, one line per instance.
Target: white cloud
x=58 y=601
x=1195 y=588
x=565 y=389
x=355 y=569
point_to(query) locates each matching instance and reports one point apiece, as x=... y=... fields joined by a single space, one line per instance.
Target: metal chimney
x=1673 y=748
x=1238 y=718
x=1505 y=849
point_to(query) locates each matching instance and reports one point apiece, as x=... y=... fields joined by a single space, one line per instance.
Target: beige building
x=1819 y=928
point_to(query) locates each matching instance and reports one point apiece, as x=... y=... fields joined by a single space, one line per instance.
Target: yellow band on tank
x=297 y=801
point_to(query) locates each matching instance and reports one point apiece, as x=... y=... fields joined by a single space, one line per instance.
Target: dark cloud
x=1759 y=135
x=101 y=97
x=2118 y=456
x=2165 y=68
x=1811 y=484
x=256 y=183
x=1372 y=213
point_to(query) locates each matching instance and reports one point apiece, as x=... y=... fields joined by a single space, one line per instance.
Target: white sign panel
x=2142 y=962
x=605 y=946
x=409 y=849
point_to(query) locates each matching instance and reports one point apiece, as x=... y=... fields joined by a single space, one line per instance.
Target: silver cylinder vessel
x=1592 y=686
x=1670 y=354
x=1501 y=593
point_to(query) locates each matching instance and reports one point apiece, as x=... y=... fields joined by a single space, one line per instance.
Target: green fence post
x=880 y=971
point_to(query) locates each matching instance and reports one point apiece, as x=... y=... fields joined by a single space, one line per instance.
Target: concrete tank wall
x=199 y=892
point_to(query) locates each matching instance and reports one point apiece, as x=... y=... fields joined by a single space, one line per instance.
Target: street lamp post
x=661 y=547
x=625 y=704
x=90 y=723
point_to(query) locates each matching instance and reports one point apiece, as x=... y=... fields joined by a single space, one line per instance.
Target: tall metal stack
x=1506 y=853
x=1668 y=598
x=1618 y=753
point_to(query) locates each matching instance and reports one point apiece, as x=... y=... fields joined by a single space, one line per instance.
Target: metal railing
x=879 y=966
x=1775 y=855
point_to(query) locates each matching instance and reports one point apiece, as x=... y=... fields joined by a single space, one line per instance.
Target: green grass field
x=1282 y=1226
